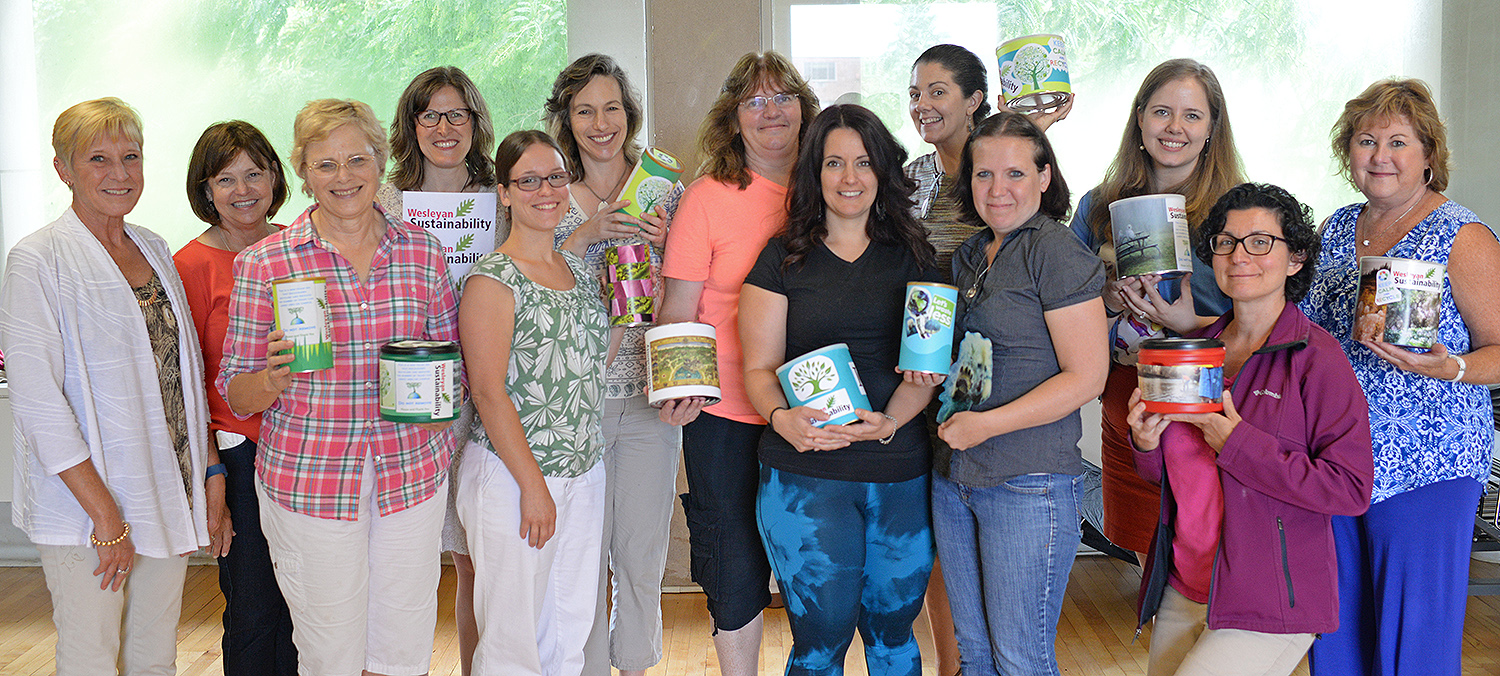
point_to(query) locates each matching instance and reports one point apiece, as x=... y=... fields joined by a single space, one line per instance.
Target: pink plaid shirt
x=316 y=436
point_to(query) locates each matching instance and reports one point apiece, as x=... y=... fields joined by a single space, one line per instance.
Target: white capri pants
x=99 y=631
x=535 y=607
x=363 y=594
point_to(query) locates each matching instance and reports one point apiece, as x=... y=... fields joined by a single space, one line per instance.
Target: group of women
x=1274 y=521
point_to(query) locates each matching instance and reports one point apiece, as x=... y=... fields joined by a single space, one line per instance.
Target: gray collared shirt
x=1040 y=266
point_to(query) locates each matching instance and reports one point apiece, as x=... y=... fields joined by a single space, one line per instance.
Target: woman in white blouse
x=109 y=407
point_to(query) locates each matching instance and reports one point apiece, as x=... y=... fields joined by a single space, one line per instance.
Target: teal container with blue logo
x=825 y=379
x=927 y=327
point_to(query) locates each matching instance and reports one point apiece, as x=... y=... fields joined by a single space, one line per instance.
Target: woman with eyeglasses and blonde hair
x=351 y=504
x=531 y=487
x=750 y=139
x=441 y=139
x=114 y=473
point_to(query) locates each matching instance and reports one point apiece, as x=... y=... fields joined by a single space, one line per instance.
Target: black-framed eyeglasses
x=534 y=183
x=758 y=103
x=456 y=117
x=1256 y=244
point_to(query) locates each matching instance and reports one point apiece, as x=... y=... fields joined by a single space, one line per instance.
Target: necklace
x=612 y=191
x=1366 y=241
x=974 y=288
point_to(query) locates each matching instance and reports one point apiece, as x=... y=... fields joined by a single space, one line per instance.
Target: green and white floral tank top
x=555 y=376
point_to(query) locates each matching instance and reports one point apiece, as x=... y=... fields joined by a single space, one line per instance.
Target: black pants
x=257 y=624
x=728 y=559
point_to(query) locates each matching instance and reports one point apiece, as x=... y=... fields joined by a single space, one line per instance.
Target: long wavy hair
x=1008 y=123
x=570 y=81
x=719 y=138
x=1129 y=175
x=890 y=220
x=407 y=174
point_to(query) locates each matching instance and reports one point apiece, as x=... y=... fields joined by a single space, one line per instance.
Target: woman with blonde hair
x=1177 y=140
x=750 y=140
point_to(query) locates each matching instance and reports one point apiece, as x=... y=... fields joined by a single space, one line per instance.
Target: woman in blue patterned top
x=1403 y=566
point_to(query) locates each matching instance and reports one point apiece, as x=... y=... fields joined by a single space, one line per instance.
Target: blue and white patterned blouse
x=1426 y=430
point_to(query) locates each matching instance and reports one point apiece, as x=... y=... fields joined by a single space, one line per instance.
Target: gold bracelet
x=113 y=542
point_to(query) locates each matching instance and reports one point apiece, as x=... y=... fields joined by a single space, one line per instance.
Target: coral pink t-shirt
x=1192 y=467
x=715 y=238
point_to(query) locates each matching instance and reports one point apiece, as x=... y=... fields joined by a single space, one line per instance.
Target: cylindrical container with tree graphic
x=1400 y=301
x=650 y=182
x=419 y=381
x=301 y=308
x=628 y=287
x=825 y=379
x=683 y=361
x=1151 y=235
x=927 y=327
x=1034 y=72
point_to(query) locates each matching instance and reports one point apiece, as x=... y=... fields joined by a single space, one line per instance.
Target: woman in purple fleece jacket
x=1242 y=573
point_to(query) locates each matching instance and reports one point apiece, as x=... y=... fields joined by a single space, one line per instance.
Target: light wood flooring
x=1094 y=636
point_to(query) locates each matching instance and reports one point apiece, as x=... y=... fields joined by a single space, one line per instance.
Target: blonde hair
x=318 y=119
x=719 y=139
x=1392 y=100
x=84 y=122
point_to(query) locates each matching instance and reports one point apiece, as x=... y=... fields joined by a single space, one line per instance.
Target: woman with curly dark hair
x=838 y=274
x=1243 y=574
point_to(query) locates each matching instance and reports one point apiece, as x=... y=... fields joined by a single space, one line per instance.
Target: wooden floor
x=1094 y=636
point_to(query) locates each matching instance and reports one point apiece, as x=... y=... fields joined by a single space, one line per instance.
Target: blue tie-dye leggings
x=848 y=555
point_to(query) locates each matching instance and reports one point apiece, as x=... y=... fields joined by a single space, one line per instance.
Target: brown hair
x=216 y=149
x=719 y=139
x=1218 y=170
x=84 y=122
x=570 y=81
x=1389 y=100
x=510 y=150
x=1009 y=123
x=407 y=174
x=320 y=118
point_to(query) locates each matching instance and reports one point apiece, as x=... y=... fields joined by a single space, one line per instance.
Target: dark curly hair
x=1297 y=228
x=890 y=220
x=1055 y=199
x=968 y=73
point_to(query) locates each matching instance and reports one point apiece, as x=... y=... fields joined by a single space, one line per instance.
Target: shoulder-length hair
x=1129 y=175
x=1393 y=99
x=890 y=220
x=719 y=138
x=216 y=149
x=409 y=169
x=1008 y=123
x=559 y=106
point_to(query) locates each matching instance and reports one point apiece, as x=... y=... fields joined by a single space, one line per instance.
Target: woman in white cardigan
x=106 y=384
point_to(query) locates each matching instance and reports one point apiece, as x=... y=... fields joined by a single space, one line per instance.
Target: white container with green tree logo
x=302 y=315
x=825 y=379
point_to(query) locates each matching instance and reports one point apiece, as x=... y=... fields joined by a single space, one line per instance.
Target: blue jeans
x=1006 y=554
x=257 y=624
x=848 y=556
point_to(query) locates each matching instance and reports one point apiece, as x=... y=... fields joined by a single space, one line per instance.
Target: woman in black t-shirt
x=831 y=496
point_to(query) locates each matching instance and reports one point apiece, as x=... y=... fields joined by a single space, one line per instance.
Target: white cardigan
x=83 y=386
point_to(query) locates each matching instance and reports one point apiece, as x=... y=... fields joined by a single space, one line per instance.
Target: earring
x=1428 y=173
x=1141 y=147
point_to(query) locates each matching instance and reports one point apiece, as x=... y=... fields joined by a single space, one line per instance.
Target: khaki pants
x=1182 y=644
x=133 y=630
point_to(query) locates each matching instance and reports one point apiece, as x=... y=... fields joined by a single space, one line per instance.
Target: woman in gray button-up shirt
x=1033 y=350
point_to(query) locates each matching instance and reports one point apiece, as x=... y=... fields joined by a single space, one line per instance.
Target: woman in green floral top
x=531 y=489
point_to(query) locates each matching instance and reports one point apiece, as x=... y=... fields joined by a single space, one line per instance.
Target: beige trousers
x=1182 y=644
x=99 y=631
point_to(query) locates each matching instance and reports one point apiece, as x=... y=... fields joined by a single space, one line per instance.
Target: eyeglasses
x=1256 y=244
x=534 y=183
x=457 y=117
x=328 y=168
x=759 y=103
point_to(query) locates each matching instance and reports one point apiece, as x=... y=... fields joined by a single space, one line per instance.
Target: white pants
x=363 y=594
x=1182 y=644
x=534 y=606
x=99 y=631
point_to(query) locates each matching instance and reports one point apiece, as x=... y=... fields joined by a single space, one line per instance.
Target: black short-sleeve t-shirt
x=831 y=300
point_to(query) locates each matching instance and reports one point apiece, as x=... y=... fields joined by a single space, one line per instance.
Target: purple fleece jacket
x=1300 y=455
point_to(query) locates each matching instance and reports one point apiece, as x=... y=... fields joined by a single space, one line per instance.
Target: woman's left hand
x=1044 y=119
x=220 y=527
x=965 y=430
x=654 y=226
x=1216 y=427
x=1434 y=363
x=871 y=426
x=1142 y=299
x=922 y=378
